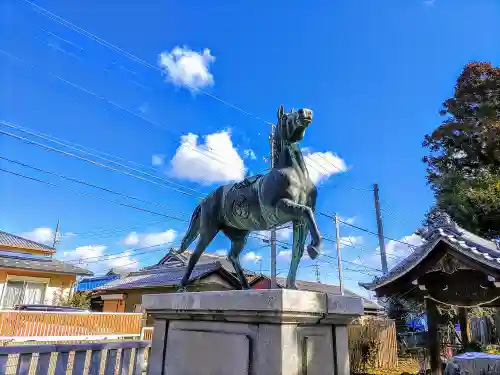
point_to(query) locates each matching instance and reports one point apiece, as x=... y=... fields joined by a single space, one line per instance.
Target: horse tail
x=193 y=230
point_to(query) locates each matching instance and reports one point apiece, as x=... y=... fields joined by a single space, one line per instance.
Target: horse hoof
x=182 y=289
x=312 y=251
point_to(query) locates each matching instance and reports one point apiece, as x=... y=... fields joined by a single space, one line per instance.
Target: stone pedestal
x=250 y=332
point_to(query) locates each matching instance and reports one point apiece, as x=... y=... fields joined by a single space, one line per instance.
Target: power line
x=66 y=153
x=368 y=231
x=139 y=208
x=80 y=48
x=83 y=183
x=114 y=104
x=113 y=230
x=92 y=195
x=46 y=13
x=116 y=255
x=117 y=193
x=340 y=170
x=81 y=149
x=121 y=107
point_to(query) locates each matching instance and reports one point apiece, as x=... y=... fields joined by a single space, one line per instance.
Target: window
x=22 y=292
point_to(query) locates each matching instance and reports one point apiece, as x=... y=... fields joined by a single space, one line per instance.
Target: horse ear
x=293 y=110
x=281 y=111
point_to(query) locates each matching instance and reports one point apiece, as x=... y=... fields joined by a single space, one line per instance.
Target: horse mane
x=278 y=144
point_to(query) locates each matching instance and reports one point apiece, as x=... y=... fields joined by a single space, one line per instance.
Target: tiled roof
x=205 y=258
x=313 y=286
x=160 y=276
x=11 y=240
x=463 y=241
x=41 y=263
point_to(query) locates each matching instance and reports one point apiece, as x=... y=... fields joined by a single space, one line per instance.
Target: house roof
x=118 y=272
x=314 y=286
x=162 y=276
x=91 y=283
x=11 y=240
x=39 y=263
x=175 y=259
x=444 y=230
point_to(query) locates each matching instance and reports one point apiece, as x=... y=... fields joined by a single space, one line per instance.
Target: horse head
x=292 y=125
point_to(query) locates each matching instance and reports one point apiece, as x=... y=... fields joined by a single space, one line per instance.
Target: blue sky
x=374 y=72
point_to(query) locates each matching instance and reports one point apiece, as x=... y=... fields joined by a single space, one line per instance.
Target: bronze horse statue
x=262 y=202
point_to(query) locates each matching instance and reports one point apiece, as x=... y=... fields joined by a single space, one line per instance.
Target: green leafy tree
x=463 y=166
x=78 y=299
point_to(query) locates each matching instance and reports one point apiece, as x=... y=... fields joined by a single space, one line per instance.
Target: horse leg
x=299 y=211
x=299 y=239
x=193 y=230
x=238 y=240
x=207 y=234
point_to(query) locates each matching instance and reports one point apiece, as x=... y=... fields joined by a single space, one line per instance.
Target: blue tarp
x=90 y=283
x=418 y=324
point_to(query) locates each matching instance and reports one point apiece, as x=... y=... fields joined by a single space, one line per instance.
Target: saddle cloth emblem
x=240 y=207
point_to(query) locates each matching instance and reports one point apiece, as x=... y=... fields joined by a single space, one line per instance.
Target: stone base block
x=250 y=332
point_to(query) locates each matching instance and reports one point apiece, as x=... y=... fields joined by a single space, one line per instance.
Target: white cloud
x=45 y=236
x=84 y=252
x=41 y=235
x=144 y=108
x=252 y=257
x=349 y=220
x=249 y=154
x=185 y=67
x=322 y=165
x=221 y=252
x=396 y=251
x=132 y=239
x=283 y=234
x=284 y=254
x=149 y=239
x=158 y=160
x=215 y=161
x=287 y=254
x=93 y=257
x=123 y=261
x=346 y=241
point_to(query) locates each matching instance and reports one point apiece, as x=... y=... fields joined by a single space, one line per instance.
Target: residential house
x=213 y=272
x=30 y=275
x=125 y=294
x=88 y=284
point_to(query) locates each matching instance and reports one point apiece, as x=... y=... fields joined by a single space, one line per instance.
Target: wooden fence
x=486 y=330
x=147 y=333
x=381 y=333
x=41 y=324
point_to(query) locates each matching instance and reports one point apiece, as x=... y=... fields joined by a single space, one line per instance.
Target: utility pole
x=316 y=272
x=380 y=228
x=339 y=259
x=273 y=230
x=56 y=236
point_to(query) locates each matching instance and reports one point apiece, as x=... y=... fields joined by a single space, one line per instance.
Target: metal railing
x=90 y=358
